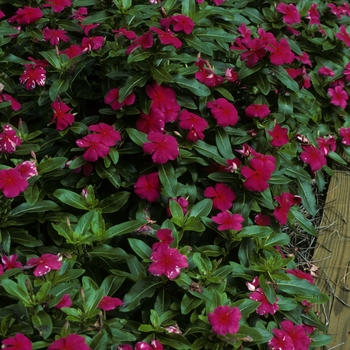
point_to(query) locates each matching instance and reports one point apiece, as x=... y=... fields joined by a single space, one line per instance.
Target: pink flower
x=265 y=306
x=291 y=14
x=12 y=183
x=300 y=274
x=225 y=319
x=182 y=23
x=345 y=135
x=152 y=122
x=148 y=187
x=63 y=119
x=160 y=95
x=33 y=75
x=262 y=220
x=15 y=105
x=256 y=176
x=167 y=38
x=70 y=342
x=109 y=136
x=112 y=98
x=325 y=71
x=142 y=345
x=280 y=53
x=286 y=200
x=327 y=145
x=231 y=75
x=194 y=123
x=347 y=72
x=343 y=35
x=73 y=51
x=167 y=261
x=27 y=169
x=304 y=58
x=162 y=147
x=19 y=341
x=165 y=237
x=255 y=53
x=66 y=301
x=95 y=147
x=281 y=340
x=338 y=96
x=257 y=110
x=45 y=264
x=279 y=136
x=92 y=43
x=222 y=196
x=54 y=36
x=313 y=15
x=58 y=5
x=10 y=262
x=129 y=34
x=228 y=221
x=27 y=15
x=145 y=41
x=313 y=156
x=108 y=303
x=125 y=347
x=9 y=139
x=224 y=112
x=206 y=74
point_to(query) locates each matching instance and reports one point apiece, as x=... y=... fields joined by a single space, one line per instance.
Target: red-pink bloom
x=19 y=341
x=222 y=196
x=279 y=136
x=245 y=33
x=112 y=98
x=303 y=275
x=167 y=38
x=95 y=147
x=313 y=156
x=62 y=118
x=206 y=75
x=286 y=200
x=268 y=160
x=343 y=35
x=161 y=147
x=15 y=105
x=262 y=219
x=165 y=237
x=45 y=264
x=145 y=41
x=256 y=176
x=156 y=344
x=280 y=53
x=9 y=139
x=347 y=72
x=218 y=2
x=108 y=303
x=338 y=96
x=281 y=340
x=304 y=58
x=313 y=15
x=344 y=133
x=167 y=261
x=327 y=145
x=12 y=183
x=224 y=112
x=325 y=71
x=54 y=36
x=142 y=345
x=182 y=23
x=265 y=306
x=148 y=187
x=73 y=51
x=27 y=15
x=58 y=5
x=2 y=15
x=92 y=43
x=109 y=136
x=66 y=301
x=232 y=165
x=70 y=342
x=10 y=262
x=225 y=319
x=129 y=34
x=125 y=347
x=152 y=122
x=33 y=75
x=231 y=75
x=291 y=14
x=228 y=221
x=257 y=110
x=160 y=95
x=27 y=169
x=255 y=53
x=194 y=123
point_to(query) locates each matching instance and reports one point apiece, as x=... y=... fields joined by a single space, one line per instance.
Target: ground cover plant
x=151 y=155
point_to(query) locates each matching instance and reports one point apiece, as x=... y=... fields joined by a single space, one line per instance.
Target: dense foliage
x=151 y=152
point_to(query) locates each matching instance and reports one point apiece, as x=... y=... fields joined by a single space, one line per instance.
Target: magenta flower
x=338 y=96
x=167 y=38
x=265 y=306
x=262 y=220
x=194 y=123
x=70 y=342
x=325 y=71
x=152 y=122
x=224 y=112
x=222 y=196
x=161 y=147
x=125 y=347
x=32 y=76
x=206 y=74
x=160 y=95
x=313 y=15
x=112 y=98
x=73 y=51
x=327 y=145
x=129 y=34
x=313 y=156
x=279 y=136
x=343 y=35
x=167 y=261
x=62 y=118
x=95 y=147
x=145 y=41
x=66 y=301
x=344 y=133
x=225 y=319
x=12 y=183
x=231 y=75
x=26 y=15
x=27 y=169
x=303 y=275
x=57 y=5
x=109 y=136
x=148 y=187
x=108 y=303
x=280 y=53
x=9 y=139
x=228 y=221
x=291 y=14
x=256 y=176
x=182 y=201
x=19 y=341
x=15 y=105
x=10 y=262
x=286 y=200
x=142 y=345
x=54 y=36
x=165 y=237
x=182 y=23
x=45 y=264
x=257 y=110
x=93 y=43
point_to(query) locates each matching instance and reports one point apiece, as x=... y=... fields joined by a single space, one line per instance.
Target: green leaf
x=281 y=74
x=140 y=248
x=188 y=303
x=31 y=194
x=43 y=324
x=97 y=17
x=14 y=290
x=199 y=45
x=225 y=93
x=285 y=105
x=223 y=143
x=108 y=252
x=137 y=136
x=245 y=71
x=144 y=288
x=176 y=341
x=51 y=57
x=138 y=56
x=202 y=208
x=58 y=87
x=337 y=158
x=207 y=150
x=193 y=85
x=111 y=174
x=125 y=227
x=176 y=213
x=303 y=222
x=51 y=164
x=253 y=15
x=161 y=75
x=114 y=202
x=255 y=230
x=38 y=207
x=168 y=179
x=307 y=195
x=132 y=82
x=70 y=198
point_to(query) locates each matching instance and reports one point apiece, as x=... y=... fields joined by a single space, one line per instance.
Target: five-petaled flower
x=45 y=264
x=223 y=111
x=65 y=301
x=265 y=306
x=62 y=118
x=344 y=133
x=19 y=341
x=338 y=96
x=108 y=303
x=26 y=15
x=257 y=110
x=222 y=196
x=256 y=175
x=70 y=342
x=313 y=156
x=12 y=183
x=228 y=221
x=54 y=36
x=57 y=5
x=148 y=187
x=225 y=320
x=10 y=262
x=112 y=99
x=33 y=75
x=291 y=14
x=279 y=136
x=286 y=200
x=9 y=139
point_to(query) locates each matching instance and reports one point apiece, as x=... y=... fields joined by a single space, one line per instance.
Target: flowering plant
x=151 y=153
